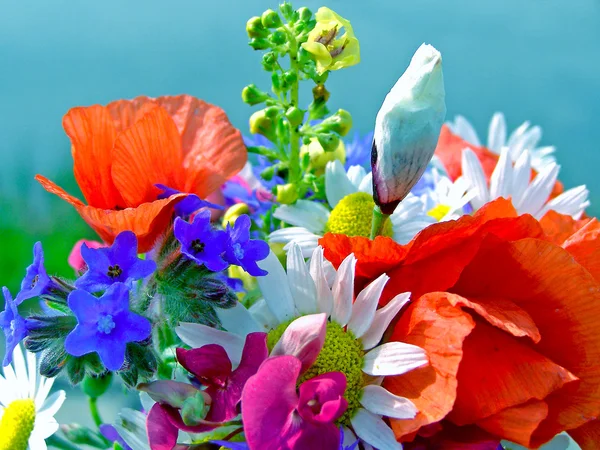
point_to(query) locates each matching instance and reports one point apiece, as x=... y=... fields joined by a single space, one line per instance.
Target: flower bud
x=287 y=193
x=96 y=386
x=278 y=37
x=340 y=123
x=304 y=14
x=319 y=157
x=295 y=116
x=253 y=96
x=270 y=19
x=255 y=29
x=286 y=10
x=260 y=43
x=269 y=61
x=234 y=212
x=407 y=128
x=261 y=124
x=329 y=142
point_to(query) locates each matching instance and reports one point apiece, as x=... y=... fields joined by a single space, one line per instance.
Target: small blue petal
x=13 y=325
x=189 y=204
x=36 y=281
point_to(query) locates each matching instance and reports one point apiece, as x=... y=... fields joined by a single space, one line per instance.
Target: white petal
x=366 y=185
x=521 y=177
x=294 y=234
x=37 y=442
x=527 y=141
x=146 y=401
x=363 y=309
x=307 y=245
x=349 y=437
x=45 y=428
x=501 y=179
x=343 y=291
x=238 y=320
x=465 y=130
x=275 y=289
x=374 y=431
x=300 y=282
x=380 y=401
x=356 y=174
x=517 y=134
x=473 y=172
x=394 y=358
x=263 y=315
x=52 y=404
x=310 y=215
x=196 y=335
x=572 y=202
x=497 y=133
x=317 y=272
x=131 y=426
x=337 y=184
x=538 y=192
x=382 y=319
x=43 y=391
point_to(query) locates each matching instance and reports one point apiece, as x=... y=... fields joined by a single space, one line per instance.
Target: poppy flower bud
x=270 y=19
x=407 y=128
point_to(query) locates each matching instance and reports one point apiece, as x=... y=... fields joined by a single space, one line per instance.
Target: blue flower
x=235 y=284
x=243 y=251
x=200 y=242
x=13 y=325
x=115 y=264
x=188 y=205
x=36 y=281
x=105 y=325
x=111 y=433
x=358 y=151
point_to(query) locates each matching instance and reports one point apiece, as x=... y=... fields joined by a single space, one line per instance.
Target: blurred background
x=534 y=60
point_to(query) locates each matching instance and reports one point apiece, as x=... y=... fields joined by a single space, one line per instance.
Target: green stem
x=93 y=402
x=295 y=172
x=379 y=219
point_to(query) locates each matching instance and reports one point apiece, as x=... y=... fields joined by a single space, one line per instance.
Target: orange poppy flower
x=510 y=322
x=122 y=150
x=449 y=150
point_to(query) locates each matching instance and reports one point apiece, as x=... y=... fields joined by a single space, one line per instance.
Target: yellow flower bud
x=330 y=50
x=319 y=157
x=234 y=212
x=287 y=193
x=261 y=124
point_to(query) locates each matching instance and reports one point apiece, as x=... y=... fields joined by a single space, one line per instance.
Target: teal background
x=535 y=60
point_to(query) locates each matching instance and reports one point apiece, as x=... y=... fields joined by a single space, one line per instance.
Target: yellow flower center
x=353 y=216
x=17 y=424
x=438 y=212
x=341 y=352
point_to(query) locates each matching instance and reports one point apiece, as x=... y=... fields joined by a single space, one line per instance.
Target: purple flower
x=244 y=446
x=111 y=433
x=358 y=151
x=275 y=416
x=188 y=205
x=115 y=264
x=212 y=368
x=105 y=325
x=200 y=242
x=243 y=251
x=13 y=325
x=36 y=281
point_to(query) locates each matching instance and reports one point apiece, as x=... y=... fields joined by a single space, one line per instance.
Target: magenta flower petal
x=162 y=434
x=322 y=398
x=303 y=338
x=209 y=364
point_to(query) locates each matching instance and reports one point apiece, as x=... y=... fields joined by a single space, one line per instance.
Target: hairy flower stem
x=379 y=219
x=93 y=403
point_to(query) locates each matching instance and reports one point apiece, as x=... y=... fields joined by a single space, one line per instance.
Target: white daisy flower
x=513 y=181
x=26 y=410
x=525 y=137
x=447 y=199
x=354 y=327
x=350 y=197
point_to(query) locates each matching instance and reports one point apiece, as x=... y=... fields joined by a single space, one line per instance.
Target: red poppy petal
x=498 y=371
x=433 y=324
x=145 y=154
x=92 y=137
x=584 y=245
x=563 y=299
x=588 y=435
x=51 y=187
x=125 y=113
x=559 y=227
x=213 y=149
x=517 y=424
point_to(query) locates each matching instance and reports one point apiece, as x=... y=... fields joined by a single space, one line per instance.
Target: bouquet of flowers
x=299 y=289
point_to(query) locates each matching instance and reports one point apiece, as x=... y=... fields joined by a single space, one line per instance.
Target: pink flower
x=277 y=418
x=75 y=259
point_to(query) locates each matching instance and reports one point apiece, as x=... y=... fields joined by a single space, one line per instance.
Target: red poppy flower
x=449 y=150
x=122 y=150
x=510 y=322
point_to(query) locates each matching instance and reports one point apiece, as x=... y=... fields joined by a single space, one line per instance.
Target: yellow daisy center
x=341 y=352
x=438 y=212
x=353 y=216
x=17 y=424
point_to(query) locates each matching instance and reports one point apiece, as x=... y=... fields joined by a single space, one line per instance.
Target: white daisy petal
x=497 y=133
x=349 y=437
x=517 y=134
x=538 y=192
x=317 y=272
x=572 y=202
x=43 y=391
x=501 y=180
x=356 y=175
x=363 y=309
x=374 y=431
x=380 y=401
x=300 y=282
x=465 y=130
x=521 y=177
x=473 y=172
x=275 y=289
x=307 y=246
x=382 y=319
x=394 y=358
x=196 y=335
x=46 y=428
x=52 y=404
x=36 y=442
x=343 y=291
x=303 y=237
x=366 y=185
x=238 y=320
x=263 y=315
x=310 y=215
x=337 y=184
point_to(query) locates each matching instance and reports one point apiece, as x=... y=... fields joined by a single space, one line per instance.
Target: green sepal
x=96 y=386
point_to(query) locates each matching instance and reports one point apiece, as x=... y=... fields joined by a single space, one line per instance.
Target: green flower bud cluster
x=301 y=146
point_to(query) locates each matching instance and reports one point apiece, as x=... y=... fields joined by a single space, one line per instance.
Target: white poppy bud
x=407 y=128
